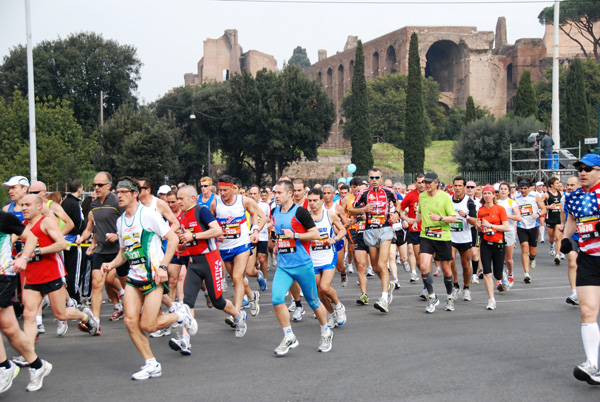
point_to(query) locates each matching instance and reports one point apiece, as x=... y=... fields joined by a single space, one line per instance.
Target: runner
x=584 y=216
x=18 y=186
x=199 y=229
x=572 y=185
x=10 y=225
x=510 y=237
x=531 y=207
x=323 y=255
x=539 y=191
x=492 y=222
x=471 y=189
x=140 y=230
x=375 y=202
x=295 y=229
x=181 y=260
x=262 y=247
x=436 y=211
x=410 y=203
x=339 y=246
x=462 y=241
x=74 y=259
x=208 y=197
x=552 y=200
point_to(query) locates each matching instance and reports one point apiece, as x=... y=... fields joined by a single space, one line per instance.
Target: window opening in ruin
x=390 y=60
x=375 y=64
x=340 y=81
x=330 y=83
x=225 y=75
x=444 y=60
x=351 y=69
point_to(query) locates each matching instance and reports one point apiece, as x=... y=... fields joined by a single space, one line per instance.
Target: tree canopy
x=414 y=144
x=76 y=69
x=299 y=58
x=526 y=102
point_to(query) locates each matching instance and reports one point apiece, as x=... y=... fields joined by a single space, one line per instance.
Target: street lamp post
x=193 y=117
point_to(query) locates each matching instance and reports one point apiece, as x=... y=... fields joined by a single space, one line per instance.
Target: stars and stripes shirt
x=585 y=208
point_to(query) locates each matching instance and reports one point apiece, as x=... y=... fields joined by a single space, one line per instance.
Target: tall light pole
x=555 y=81
x=193 y=117
x=31 y=95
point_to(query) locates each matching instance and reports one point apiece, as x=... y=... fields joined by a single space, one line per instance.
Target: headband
x=223 y=184
x=128 y=185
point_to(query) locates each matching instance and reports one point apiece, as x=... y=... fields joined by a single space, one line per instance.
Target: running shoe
x=391 y=288
x=499 y=286
x=285 y=346
x=45 y=302
x=254 y=306
x=466 y=295
x=449 y=304
x=511 y=281
x=116 y=315
x=292 y=306
x=454 y=294
x=20 y=361
x=588 y=373
x=527 y=278
x=7 y=375
x=396 y=283
x=562 y=256
x=62 y=328
x=406 y=266
x=350 y=268
x=298 y=313
x=432 y=301
x=344 y=280
x=262 y=282
x=152 y=370
x=398 y=260
x=331 y=321
x=160 y=333
x=363 y=299
x=532 y=264
x=181 y=344
x=370 y=271
x=41 y=328
x=340 y=315
x=414 y=277
x=91 y=323
x=36 y=377
x=552 y=252
x=245 y=302
x=474 y=279
x=326 y=342
x=437 y=272
x=382 y=305
x=491 y=305
x=230 y=321
x=189 y=322
x=557 y=260
x=573 y=299
x=480 y=274
x=240 y=325
x=208 y=301
x=424 y=294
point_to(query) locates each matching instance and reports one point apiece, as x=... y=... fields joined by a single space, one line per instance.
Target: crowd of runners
x=153 y=255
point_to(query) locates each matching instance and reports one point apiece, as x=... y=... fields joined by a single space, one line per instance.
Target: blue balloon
x=341 y=180
x=349 y=179
x=351 y=168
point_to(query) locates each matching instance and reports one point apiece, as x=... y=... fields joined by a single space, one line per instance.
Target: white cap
x=539 y=183
x=164 y=189
x=22 y=180
x=497 y=187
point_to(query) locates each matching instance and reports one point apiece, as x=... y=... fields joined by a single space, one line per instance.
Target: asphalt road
x=523 y=351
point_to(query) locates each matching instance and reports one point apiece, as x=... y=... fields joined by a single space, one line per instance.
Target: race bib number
x=286 y=245
x=557 y=210
x=361 y=225
x=193 y=242
x=376 y=220
x=320 y=244
x=135 y=255
x=526 y=210
x=587 y=228
x=489 y=231
x=232 y=230
x=433 y=231
x=456 y=226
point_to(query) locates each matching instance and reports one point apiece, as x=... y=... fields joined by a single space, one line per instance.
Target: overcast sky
x=169 y=34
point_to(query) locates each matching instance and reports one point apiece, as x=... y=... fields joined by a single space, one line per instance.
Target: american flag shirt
x=584 y=206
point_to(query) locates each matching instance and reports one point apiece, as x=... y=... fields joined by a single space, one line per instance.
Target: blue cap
x=589 y=160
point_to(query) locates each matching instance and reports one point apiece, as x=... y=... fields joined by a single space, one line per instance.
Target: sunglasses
x=123 y=191
x=204 y=185
x=374 y=177
x=586 y=169
x=421 y=182
x=100 y=184
x=35 y=192
x=144 y=188
x=470 y=186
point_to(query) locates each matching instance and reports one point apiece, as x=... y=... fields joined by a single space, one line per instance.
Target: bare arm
x=335 y=221
x=165 y=211
x=59 y=212
x=50 y=227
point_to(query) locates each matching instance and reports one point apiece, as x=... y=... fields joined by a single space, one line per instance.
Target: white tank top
x=508 y=204
x=232 y=219
x=460 y=230
x=528 y=206
x=322 y=253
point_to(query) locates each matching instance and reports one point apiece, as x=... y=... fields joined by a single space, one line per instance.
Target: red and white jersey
x=47 y=267
x=381 y=200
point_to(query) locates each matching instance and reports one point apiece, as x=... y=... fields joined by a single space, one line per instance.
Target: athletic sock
x=456 y=285
x=465 y=288
x=151 y=361
x=38 y=320
x=121 y=292
x=288 y=333
x=475 y=265
x=298 y=303
x=5 y=364
x=172 y=309
x=338 y=306
x=384 y=295
x=36 y=364
x=325 y=330
x=590 y=335
x=448 y=284
x=428 y=282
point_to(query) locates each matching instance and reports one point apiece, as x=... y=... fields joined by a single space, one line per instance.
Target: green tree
x=299 y=58
x=136 y=142
x=414 y=148
x=488 y=142
x=577 y=19
x=62 y=152
x=356 y=110
x=576 y=106
x=471 y=114
x=76 y=69
x=526 y=102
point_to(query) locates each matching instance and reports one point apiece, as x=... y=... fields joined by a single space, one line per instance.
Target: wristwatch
x=441 y=218
x=296 y=236
x=194 y=236
x=164 y=267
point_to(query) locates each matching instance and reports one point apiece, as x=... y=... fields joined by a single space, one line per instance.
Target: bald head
x=37 y=186
x=31 y=205
x=189 y=191
x=188 y=196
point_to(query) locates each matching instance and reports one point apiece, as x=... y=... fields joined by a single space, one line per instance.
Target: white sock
x=338 y=306
x=288 y=333
x=151 y=361
x=121 y=293
x=325 y=330
x=180 y=316
x=590 y=335
x=574 y=292
x=414 y=272
x=173 y=308
x=384 y=295
x=38 y=319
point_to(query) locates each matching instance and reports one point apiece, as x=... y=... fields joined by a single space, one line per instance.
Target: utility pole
x=31 y=96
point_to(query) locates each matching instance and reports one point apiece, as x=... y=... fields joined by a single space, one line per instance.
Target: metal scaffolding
x=530 y=162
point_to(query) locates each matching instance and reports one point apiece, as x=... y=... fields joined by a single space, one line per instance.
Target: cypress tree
x=576 y=105
x=414 y=139
x=358 y=122
x=471 y=114
x=526 y=102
